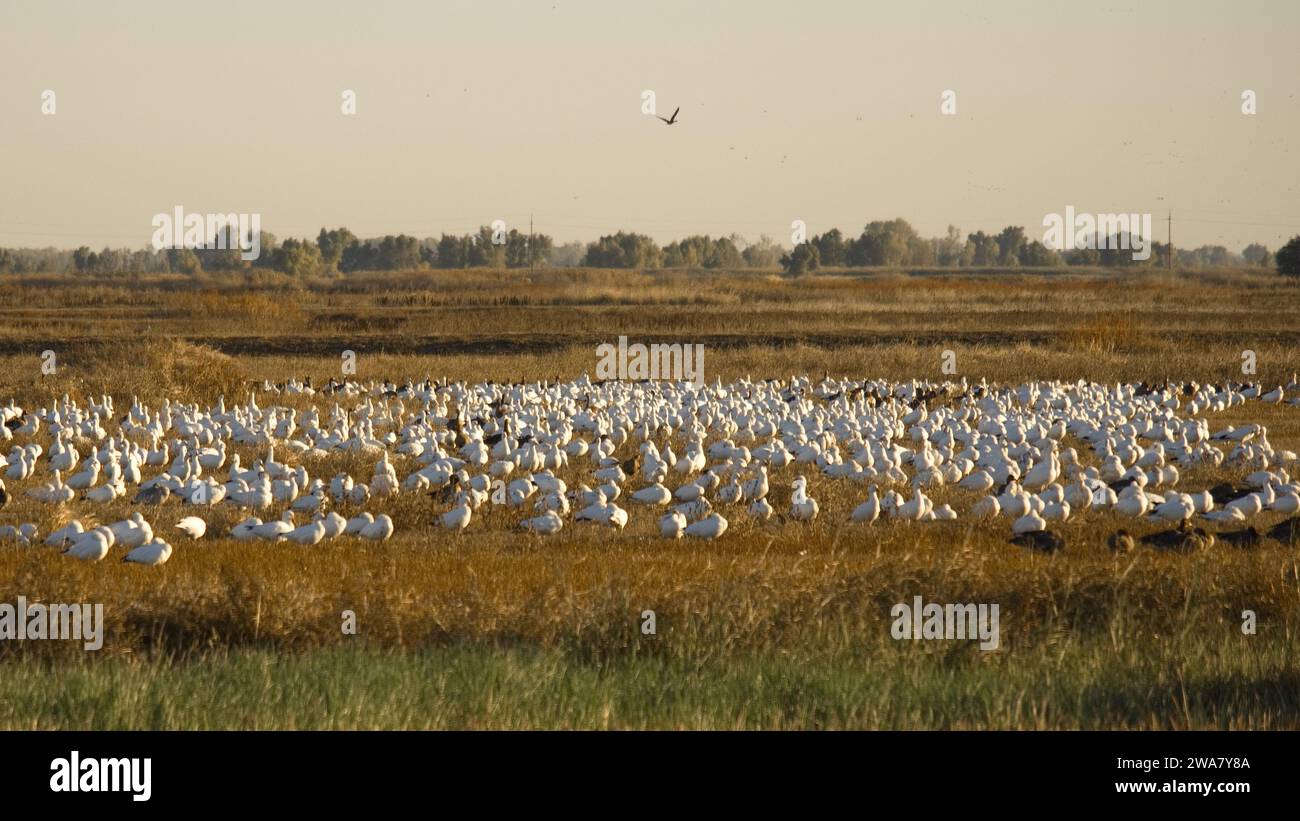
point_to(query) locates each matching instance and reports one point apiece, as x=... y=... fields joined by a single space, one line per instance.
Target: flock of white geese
x=692 y=455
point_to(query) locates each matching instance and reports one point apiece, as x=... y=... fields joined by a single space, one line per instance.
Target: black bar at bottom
x=232 y=769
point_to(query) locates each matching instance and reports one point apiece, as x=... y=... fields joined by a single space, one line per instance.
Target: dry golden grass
x=416 y=312
x=822 y=590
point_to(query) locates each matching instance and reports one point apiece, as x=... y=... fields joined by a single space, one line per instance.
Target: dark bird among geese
x=1224 y=493
x=1288 y=532
x=1245 y=538
x=631 y=466
x=1120 y=541
x=155 y=495
x=1183 y=539
x=494 y=438
x=446 y=493
x=1120 y=484
x=1044 y=541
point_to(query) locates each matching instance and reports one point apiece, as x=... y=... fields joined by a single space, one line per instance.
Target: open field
x=1166 y=682
x=502 y=325
x=778 y=624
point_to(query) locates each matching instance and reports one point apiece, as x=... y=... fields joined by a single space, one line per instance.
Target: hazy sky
x=820 y=111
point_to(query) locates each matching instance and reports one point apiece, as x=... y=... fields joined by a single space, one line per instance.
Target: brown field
x=777 y=625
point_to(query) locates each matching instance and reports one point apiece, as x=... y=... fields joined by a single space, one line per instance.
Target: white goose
x=132 y=532
x=1029 y=523
x=88 y=475
x=916 y=508
x=23 y=534
x=379 y=530
x=458 y=517
x=246 y=530
x=151 y=554
x=275 y=529
x=803 y=508
x=869 y=510
x=672 y=524
x=91 y=546
x=192 y=526
x=655 y=494
x=65 y=535
x=544 y=525
x=334 y=525
x=358 y=523
x=606 y=514
x=986 y=508
x=308 y=534
x=710 y=527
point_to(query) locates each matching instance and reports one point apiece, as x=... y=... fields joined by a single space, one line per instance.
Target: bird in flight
x=672 y=119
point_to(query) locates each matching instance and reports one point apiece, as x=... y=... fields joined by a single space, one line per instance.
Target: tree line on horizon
x=883 y=243
x=896 y=244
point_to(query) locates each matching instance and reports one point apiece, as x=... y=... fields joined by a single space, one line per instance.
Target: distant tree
x=1288 y=258
x=398 y=253
x=624 y=250
x=428 y=252
x=1010 y=242
x=685 y=253
x=183 y=260
x=1116 y=250
x=883 y=243
x=37 y=260
x=701 y=247
x=803 y=259
x=482 y=252
x=453 y=251
x=299 y=258
x=82 y=260
x=221 y=252
x=723 y=255
x=568 y=255
x=357 y=256
x=702 y=251
x=604 y=253
x=1159 y=255
x=1256 y=255
x=516 y=250
x=391 y=253
x=1036 y=255
x=1083 y=256
x=981 y=250
x=831 y=248
x=540 y=247
x=948 y=249
x=146 y=260
x=113 y=261
x=762 y=254
x=920 y=252
x=1215 y=255
x=332 y=244
x=266 y=253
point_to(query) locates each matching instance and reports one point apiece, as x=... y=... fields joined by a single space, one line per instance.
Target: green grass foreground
x=1181 y=682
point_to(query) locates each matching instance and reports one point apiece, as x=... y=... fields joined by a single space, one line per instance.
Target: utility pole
x=1169 y=238
x=530 y=243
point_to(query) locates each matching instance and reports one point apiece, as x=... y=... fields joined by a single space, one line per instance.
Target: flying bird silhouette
x=672 y=119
